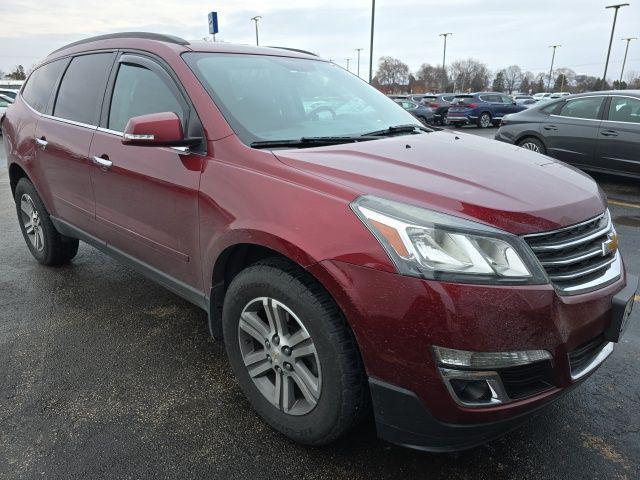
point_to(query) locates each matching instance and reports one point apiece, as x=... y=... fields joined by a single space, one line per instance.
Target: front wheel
x=295 y=358
x=484 y=121
x=444 y=119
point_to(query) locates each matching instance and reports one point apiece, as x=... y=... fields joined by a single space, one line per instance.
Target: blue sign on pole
x=213 y=23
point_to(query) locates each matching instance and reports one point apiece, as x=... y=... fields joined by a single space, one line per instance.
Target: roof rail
x=297 y=50
x=143 y=35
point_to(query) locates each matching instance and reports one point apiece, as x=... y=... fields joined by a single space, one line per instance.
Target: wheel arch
x=16 y=172
x=245 y=250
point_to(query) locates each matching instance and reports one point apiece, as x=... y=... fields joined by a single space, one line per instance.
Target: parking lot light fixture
x=553 y=57
x=626 y=50
x=373 y=17
x=348 y=60
x=444 y=58
x=255 y=19
x=613 y=28
x=358 y=69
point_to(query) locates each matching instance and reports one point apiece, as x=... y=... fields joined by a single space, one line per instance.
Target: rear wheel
x=43 y=240
x=484 y=120
x=295 y=358
x=444 y=119
x=533 y=144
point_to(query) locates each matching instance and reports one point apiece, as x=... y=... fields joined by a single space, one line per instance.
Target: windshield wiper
x=310 y=141
x=398 y=130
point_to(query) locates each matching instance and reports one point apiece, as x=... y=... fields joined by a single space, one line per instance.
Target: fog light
x=472 y=390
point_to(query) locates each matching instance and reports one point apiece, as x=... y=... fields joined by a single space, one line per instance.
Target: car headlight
x=433 y=245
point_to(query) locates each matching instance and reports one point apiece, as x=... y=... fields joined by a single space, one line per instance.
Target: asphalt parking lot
x=104 y=374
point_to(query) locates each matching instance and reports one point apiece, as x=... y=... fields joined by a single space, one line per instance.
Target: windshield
x=280 y=98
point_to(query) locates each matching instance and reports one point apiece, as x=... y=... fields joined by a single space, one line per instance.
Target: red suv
x=351 y=258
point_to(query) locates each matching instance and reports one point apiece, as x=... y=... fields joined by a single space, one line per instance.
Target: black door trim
x=178 y=287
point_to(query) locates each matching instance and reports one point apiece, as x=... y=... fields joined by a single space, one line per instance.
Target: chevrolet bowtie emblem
x=610 y=244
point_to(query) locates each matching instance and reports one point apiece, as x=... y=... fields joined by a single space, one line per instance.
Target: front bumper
x=396 y=319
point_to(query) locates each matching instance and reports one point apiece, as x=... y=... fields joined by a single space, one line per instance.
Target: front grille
x=574 y=256
x=585 y=353
x=526 y=380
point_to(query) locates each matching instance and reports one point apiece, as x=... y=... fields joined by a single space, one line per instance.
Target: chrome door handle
x=103 y=163
x=42 y=143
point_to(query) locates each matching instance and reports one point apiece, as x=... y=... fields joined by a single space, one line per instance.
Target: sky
x=497 y=32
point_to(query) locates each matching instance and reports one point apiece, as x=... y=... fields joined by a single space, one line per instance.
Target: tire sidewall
x=534 y=141
x=25 y=186
x=480 y=120
x=269 y=282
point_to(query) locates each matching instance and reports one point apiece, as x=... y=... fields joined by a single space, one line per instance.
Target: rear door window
x=464 y=100
x=140 y=91
x=588 y=108
x=38 y=89
x=82 y=89
x=624 y=109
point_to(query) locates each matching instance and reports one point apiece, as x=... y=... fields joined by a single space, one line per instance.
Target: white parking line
x=624 y=204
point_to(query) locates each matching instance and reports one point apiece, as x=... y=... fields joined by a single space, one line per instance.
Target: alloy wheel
x=531 y=146
x=280 y=356
x=485 y=120
x=445 y=118
x=31 y=222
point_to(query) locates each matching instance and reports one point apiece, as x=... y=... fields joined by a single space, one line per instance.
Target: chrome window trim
x=59 y=119
x=593 y=364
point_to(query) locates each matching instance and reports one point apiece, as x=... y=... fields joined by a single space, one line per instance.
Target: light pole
x=613 y=28
x=359 y=50
x=444 y=57
x=553 y=57
x=348 y=59
x=373 y=16
x=626 y=50
x=255 y=19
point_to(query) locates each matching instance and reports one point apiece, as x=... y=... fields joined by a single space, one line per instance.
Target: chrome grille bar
x=575 y=257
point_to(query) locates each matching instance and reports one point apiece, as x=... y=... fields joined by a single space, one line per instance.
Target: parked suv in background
x=440 y=105
x=349 y=257
x=597 y=131
x=483 y=109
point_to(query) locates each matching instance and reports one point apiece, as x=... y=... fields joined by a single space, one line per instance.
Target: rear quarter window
x=82 y=88
x=38 y=88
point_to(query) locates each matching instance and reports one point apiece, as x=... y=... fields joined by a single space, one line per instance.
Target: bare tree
x=393 y=74
x=512 y=78
x=470 y=75
x=1 y=74
x=428 y=77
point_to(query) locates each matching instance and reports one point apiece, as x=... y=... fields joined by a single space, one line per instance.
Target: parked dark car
x=350 y=262
x=440 y=105
x=425 y=114
x=593 y=131
x=482 y=109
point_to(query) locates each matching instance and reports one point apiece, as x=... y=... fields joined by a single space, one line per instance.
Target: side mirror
x=157 y=130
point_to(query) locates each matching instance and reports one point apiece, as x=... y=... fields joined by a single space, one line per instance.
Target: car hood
x=495 y=183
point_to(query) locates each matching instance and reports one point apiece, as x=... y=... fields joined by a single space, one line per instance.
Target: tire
x=45 y=243
x=533 y=144
x=484 y=120
x=444 y=119
x=342 y=397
